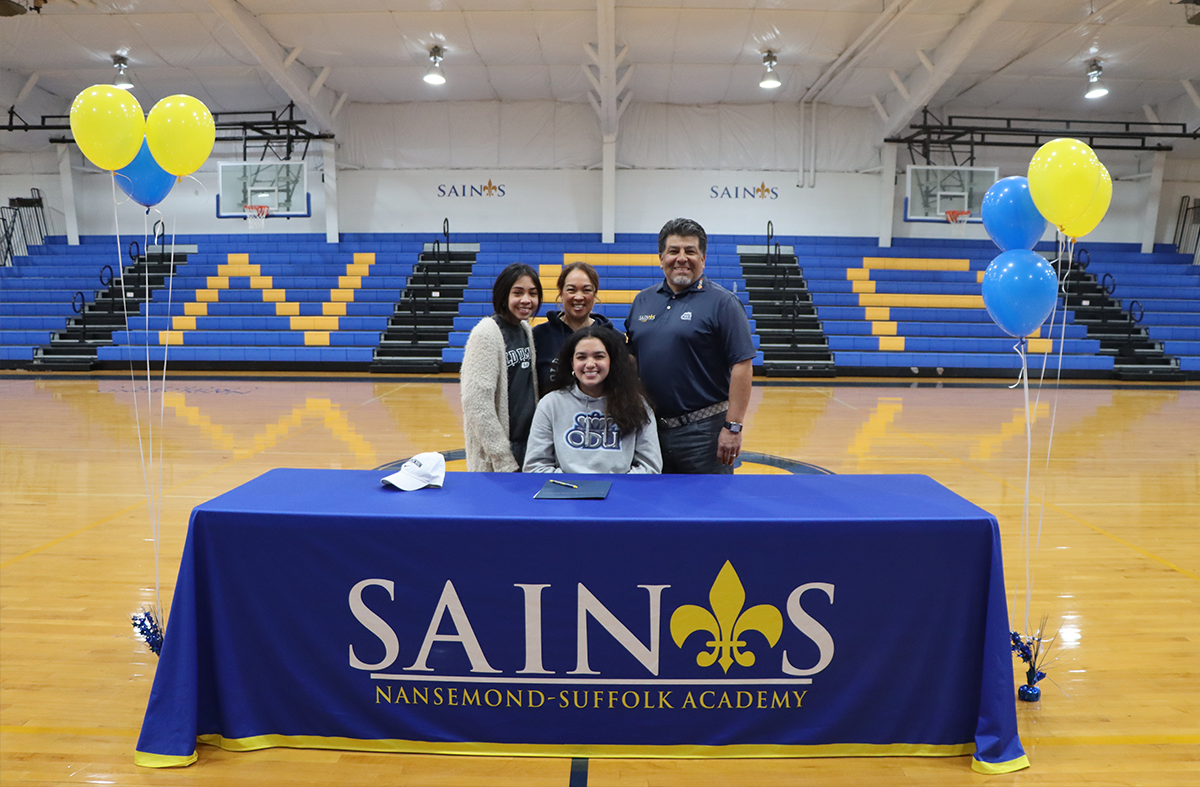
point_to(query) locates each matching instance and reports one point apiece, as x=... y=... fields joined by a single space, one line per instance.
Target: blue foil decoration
x=145 y=624
x=1030 y=651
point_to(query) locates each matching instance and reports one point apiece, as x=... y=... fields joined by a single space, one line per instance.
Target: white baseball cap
x=427 y=469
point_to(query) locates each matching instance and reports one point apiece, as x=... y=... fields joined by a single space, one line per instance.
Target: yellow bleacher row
x=609 y=259
x=549 y=277
x=316 y=328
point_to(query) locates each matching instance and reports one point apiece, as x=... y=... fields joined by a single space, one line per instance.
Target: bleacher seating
x=285 y=301
x=1167 y=290
x=289 y=302
x=36 y=293
x=924 y=312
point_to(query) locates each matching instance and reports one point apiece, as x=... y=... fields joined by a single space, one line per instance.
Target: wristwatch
x=733 y=426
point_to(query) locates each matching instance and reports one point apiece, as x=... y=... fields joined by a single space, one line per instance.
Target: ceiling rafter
x=948 y=56
x=283 y=69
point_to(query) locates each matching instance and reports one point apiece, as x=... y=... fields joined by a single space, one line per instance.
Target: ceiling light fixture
x=770 y=80
x=120 y=62
x=1096 y=88
x=435 y=75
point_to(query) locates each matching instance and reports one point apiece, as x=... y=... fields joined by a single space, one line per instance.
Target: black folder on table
x=573 y=490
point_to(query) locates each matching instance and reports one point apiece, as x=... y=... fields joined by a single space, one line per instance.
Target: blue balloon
x=1019 y=290
x=143 y=180
x=1009 y=215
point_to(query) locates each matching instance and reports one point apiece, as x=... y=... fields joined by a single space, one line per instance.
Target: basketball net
x=256 y=216
x=958 y=222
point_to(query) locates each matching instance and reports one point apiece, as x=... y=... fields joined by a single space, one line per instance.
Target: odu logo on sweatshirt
x=594 y=430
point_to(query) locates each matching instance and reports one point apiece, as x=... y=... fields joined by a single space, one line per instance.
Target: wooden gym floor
x=1117 y=572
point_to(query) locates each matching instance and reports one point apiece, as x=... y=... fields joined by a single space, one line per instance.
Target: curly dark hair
x=627 y=399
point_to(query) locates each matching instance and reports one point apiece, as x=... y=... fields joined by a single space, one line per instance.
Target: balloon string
x=1062 y=340
x=162 y=417
x=1020 y=348
x=142 y=448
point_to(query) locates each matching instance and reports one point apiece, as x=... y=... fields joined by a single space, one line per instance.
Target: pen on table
x=563 y=483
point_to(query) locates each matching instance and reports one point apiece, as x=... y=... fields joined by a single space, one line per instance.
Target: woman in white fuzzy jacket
x=498 y=378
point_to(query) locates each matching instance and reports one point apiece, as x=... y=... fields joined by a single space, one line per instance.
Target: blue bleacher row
x=306 y=355
x=243 y=324
x=35 y=295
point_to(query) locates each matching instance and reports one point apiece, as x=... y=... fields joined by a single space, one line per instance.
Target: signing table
x=683 y=616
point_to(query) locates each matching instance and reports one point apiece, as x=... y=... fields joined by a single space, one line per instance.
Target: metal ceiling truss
x=277 y=132
x=962 y=134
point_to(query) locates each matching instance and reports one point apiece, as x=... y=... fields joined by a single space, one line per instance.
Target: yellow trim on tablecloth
x=997 y=768
x=741 y=751
x=163 y=760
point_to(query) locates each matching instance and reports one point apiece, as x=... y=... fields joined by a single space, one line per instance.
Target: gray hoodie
x=572 y=433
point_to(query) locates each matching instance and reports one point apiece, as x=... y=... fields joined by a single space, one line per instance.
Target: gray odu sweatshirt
x=572 y=433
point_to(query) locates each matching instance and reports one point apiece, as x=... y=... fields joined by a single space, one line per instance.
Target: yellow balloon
x=1063 y=177
x=1090 y=218
x=180 y=132
x=108 y=125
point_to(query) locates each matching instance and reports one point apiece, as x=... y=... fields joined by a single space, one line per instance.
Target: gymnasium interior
x=299 y=296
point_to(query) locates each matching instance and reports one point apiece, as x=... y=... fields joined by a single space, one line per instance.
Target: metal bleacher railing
x=1187 y=228
x=22 y=224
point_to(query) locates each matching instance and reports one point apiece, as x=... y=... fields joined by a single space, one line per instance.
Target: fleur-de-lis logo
x=489 y=189
x=726 y=622
x=762 y=192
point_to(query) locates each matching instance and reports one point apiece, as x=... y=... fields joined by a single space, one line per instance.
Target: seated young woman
x=596 y=418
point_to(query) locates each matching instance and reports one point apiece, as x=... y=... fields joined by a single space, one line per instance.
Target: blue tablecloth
x=683 y=616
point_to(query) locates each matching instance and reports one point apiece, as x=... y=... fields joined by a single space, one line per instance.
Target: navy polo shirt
x=686 y=343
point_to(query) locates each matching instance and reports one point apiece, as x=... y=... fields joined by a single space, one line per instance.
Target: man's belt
x=694 y=416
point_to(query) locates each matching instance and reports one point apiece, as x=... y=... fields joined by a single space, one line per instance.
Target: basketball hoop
x=256 y=216
x=957 y=216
